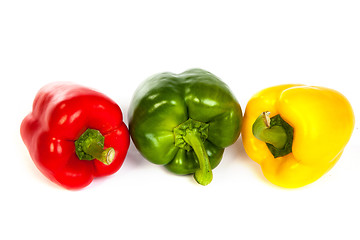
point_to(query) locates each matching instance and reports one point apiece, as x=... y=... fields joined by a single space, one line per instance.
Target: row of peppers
x=185 y=121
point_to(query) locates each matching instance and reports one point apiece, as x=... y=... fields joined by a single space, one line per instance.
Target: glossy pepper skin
x=177 y=119
x=322 y=120
x=61 y=114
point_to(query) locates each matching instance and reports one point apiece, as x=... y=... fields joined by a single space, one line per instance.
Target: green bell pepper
x=184 y=121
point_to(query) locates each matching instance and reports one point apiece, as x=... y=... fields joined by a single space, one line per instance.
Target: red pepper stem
x=90 y=145
x=106 y=156
x=203 y=175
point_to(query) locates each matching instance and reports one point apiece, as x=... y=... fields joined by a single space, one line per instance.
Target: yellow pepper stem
x=275 y=132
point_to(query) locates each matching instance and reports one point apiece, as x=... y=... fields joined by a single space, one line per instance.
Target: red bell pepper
x=75 y=134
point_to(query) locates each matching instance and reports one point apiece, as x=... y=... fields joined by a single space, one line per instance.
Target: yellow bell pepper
x=296 y=133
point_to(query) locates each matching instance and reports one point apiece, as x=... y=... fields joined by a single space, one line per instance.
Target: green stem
x=275 y=135
x=90 y=145
x=105 y=156
x=275 y=132
x=203 y=175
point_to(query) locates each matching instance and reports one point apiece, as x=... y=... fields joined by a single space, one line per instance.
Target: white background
x=113 y=46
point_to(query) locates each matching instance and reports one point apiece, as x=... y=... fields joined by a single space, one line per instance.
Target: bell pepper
x=75 y=134
x=296 y=133
x=184 y=121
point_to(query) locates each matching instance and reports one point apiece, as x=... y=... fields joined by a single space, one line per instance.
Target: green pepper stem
x=203 y=175
x=105 y=156
x=275 y=135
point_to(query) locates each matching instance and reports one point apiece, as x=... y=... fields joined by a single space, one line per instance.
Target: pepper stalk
x=190 y=135
x=275 y=132
x=90 y=145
